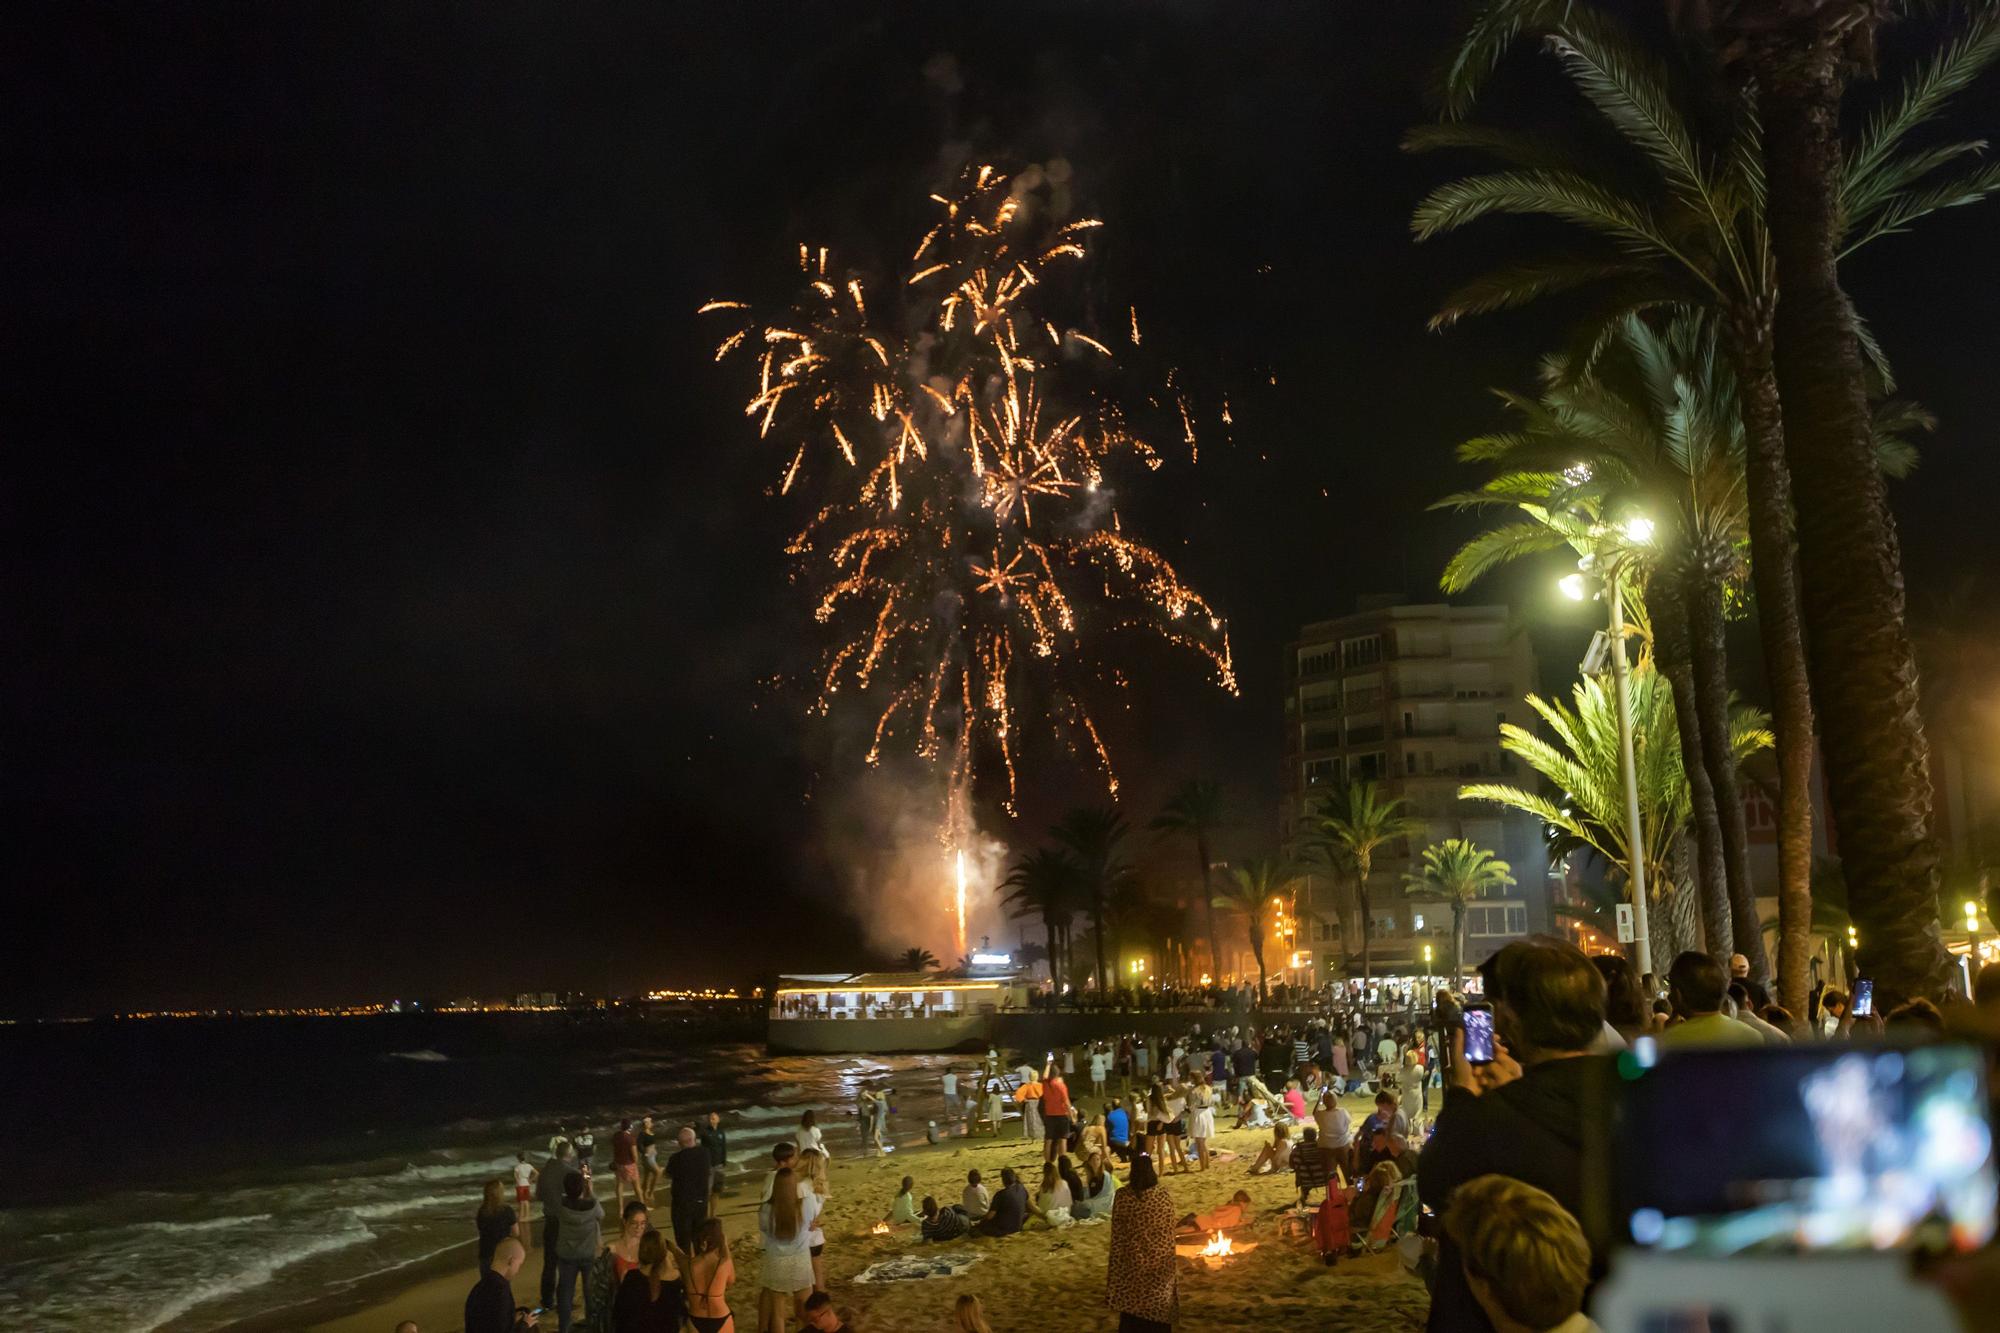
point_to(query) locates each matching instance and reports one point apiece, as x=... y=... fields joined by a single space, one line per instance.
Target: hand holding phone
x=1864 y=998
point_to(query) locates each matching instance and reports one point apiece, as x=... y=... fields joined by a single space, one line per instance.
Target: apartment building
x=1411 y=696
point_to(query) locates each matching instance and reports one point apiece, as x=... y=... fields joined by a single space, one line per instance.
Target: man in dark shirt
x=549 y=1189
x=715 y=1142
x=1522 y=1115
x=625 y=1163
x=688 y=1172
x=1010 y=1207
x=490 y=1306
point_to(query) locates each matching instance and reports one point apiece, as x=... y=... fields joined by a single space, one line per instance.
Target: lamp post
x=1430 y=980
x=1971 y=943
x=1639 y=530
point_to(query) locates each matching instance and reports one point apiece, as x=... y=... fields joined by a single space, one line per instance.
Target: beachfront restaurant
x=868 y=995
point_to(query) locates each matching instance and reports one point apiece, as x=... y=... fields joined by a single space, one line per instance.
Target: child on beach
x=977 y=1198
x=903 y=1211
x=524 y=1182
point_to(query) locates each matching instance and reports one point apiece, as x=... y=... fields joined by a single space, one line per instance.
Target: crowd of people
x=1479 y=1198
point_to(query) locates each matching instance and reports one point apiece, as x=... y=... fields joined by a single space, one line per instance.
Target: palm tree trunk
x=1863 y=675
x=1097 y=930
x=1673 y=650
x=1362 y=866
x=1711 y=678
x=1257 y=952
x=1774 y=575
x=1457 y=943
x=1055 y=957
x=1208 y=908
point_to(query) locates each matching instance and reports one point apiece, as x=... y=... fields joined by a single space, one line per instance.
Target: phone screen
x=1479 y=1036
x=1864 y=997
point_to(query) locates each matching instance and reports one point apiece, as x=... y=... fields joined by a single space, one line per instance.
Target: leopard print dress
x=1144 y=1278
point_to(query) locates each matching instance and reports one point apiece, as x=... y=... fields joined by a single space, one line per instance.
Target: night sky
x=391 y=583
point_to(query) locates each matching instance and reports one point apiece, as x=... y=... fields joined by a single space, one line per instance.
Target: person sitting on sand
x=1224 y=1217
x=977 y=1199
x=941 y=1224
x=1067 y=1170
x=1312 y=1168
x=903 y=1212
x=1098 y=1186
x=1295 y=1102
x=1275 y=1155
x=969 y=1316
x=1092 y=1138
x=1118 y=1130
x=1250 y=1113
x=1053 y=1200
x=1011 y=1207
x=1366 y=1196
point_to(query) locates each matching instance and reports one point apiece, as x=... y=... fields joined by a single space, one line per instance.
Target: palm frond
x=1493 y=548
x=1941 y=78
x=1897 y=214
x=1519 y=284
x=1509 y=146
x=1491 y=31
x=1565 y=195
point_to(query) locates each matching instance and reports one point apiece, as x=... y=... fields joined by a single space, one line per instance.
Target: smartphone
x=1864 y=997
x=1479 y=1036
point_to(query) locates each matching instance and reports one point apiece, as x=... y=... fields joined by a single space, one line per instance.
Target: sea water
x=194 y=1175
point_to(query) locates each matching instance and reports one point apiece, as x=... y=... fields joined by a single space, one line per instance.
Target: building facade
x=1411 y=697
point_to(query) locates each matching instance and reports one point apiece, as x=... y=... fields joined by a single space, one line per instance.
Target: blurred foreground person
x=1523 y=1257
x=1520 y=1116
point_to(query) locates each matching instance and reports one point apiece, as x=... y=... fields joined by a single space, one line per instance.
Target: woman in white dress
x=1054 y=1200
x=1201 y=1117
x=786 y=1225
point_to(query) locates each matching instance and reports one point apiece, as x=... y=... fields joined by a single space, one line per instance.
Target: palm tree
x=1249 y=890
x=1031 y=953
x=918 y=960
x=1094 y=836
x=1044 y=884
x=1582 y=764
x=1195 y=813
x=1699 y=231
x=1352 y=826
x=1653 y=425
x=1456 y=871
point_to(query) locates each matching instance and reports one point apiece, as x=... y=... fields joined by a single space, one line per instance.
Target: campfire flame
x=881 y=1228
x=1219 y=1248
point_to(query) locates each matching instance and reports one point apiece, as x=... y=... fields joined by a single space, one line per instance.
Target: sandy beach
x=1036 y=1280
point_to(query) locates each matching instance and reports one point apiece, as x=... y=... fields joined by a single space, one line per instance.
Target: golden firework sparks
x=960 y=554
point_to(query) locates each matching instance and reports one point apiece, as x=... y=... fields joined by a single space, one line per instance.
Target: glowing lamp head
x=1639 y=528
x=1573 y=587
x=1971 y=912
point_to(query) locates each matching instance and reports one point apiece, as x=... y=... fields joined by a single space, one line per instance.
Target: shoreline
x=1034 y=1280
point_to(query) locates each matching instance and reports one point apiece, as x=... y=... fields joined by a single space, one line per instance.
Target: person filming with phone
x=1519 y=1113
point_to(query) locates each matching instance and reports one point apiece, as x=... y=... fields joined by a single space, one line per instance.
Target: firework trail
x=944 y=435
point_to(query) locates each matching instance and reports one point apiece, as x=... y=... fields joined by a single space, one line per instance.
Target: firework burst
x=962 y=552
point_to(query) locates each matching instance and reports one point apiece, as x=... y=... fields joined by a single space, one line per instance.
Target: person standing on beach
x=809 y=1134
x=882 y=1109
x=1100 y=1064
x=710 y=1271
x=555 y=1174
x=950 y=1093
x=495 y=1220
x=1141 y=1281
x=576 y=1243
x=1055 y=1116
x=690 y=1172
x=785 y=1223
x=489 y=1307
x=649 y=1161
x=715 y=1142
x=625 y=1163
x=586 y=1148
x=1029 y=1095
x=524 y=1187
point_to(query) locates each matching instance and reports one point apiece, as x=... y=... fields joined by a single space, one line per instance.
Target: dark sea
x=196 y=1175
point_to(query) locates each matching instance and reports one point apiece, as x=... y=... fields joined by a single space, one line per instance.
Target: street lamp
x=1638 y=530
